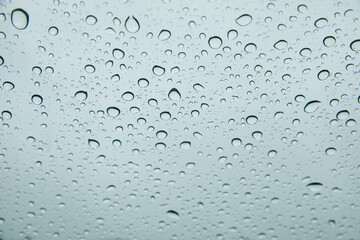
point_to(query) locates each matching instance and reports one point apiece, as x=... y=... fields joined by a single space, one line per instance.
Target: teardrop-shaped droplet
x=132 y=25
x=19 y=18
x=312 y=106
x=81 y=95
x=164 y=35
x=174 y=94
x=244 y=20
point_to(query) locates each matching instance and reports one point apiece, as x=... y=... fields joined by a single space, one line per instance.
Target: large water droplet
x=118 y=53
x=244 y=20
x=6 y=115
x=143 y=82
x=315 y=186
x=355 y=45
x=215 y=42
x=81 y=95
x=342 y=115
x=113 y=111
x=312 y=106
x=19 y=18
x=132 y=25
x=164 y=35
x=174 y=94
x=158 y=71
x=281 y=44
x=8 y=86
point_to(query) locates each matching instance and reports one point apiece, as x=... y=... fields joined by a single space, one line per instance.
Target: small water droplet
x=232 y=34
x=190 y=165
x=132 y=25
x=323 y=74
x=173 y=214
x=236 y=142
x=315 y=186
x=143 y=82
x=244 y=20
x=329 y=41
x=350 y=123
x=110 y=188
x=312 y=106
x=89 y=68
x=185 y=145
x=281 y=44
x=174 y=94
x=250 y=48
x=330 y=151
x=91 y=20
x=321 y=22
x=257 y=135
x=53 y=31
x=19 y=18
x=272 y=153
x=113 y=111
x=355 y=45
x=215 y=42
x=127 y=96
x=251 y=119
x=305 y=52
x=93 y=143
x=118 y=53
x=36 y=99
x=164 y=35
x=165 y=115
x=81 y=95
x=158 y=71
x=161 y=134
x=6 y=115
x=8 y=85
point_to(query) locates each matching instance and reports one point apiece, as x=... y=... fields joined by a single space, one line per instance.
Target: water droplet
x=281 y=44
x=161 y=134
x=164 y=35
x=37 y=99
x=89 y=68
x=53 y=31
x=190 y=165
x=355 y=45
x=350 y=123
x=342 y=115
x=185 y=145
x=132 y=25
x=321 y=22
x=19 y=18
x=315 y=186
x=257 y=135
x=37 y=70
x=118 y=53
x=165 y=115
x=250 y=47
x=215 y=42
x=244 y=20
x=272 y=153
x=110 y=188
x=81 y=95
x=232 y=34
x=174 y=94
x=116 y=143
x=329 y=41
x=158 y=71
x=8 y=85
x=91 y=20
x=160 y=146
x=323 y=75
x=115 y=78
x=6 y=115
x=1 y=61
x=251 y=119
x=143 y=82
x=173 y=214
x=312 y=106
x=334 y=102
x=330 y=151
x=93 y=143
x=305 y=52
x=236 y=142
x=302 y=8
x=113 y=111
x=127 y=96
